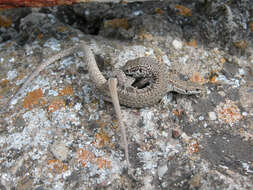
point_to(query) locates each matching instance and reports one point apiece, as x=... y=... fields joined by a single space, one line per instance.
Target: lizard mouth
x=141 y=82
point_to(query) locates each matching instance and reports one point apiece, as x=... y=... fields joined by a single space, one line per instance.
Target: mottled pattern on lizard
x=145 y=67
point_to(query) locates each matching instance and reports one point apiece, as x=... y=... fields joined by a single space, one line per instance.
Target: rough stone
x=60 y=151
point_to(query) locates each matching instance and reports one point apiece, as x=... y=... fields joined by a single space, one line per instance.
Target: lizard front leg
x=123 y=80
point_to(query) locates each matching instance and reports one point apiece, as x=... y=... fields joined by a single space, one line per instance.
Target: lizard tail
x=95 y=75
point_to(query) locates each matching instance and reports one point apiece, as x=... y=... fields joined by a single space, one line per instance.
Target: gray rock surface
x=184 y=142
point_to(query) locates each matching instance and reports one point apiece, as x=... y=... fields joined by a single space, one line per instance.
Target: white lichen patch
x=53 y=44
x=133 y=52
x=78 y=106
x=66 y=62
x=64 y=118
x=166 y=60
x=177 y=44
x=235 y=83
x=149 y=160
x=12 y=74
x=168 y=149
x=35 y=132
x=148 y=122
x=11 y=60
x=40 y=82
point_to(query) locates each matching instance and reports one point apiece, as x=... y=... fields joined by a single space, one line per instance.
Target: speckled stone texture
x=60 y=134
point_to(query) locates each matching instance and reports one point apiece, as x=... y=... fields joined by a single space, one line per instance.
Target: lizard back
x=146 y=67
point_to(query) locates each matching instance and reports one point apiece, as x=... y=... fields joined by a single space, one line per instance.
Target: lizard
x=129 y=96
x=145 y=67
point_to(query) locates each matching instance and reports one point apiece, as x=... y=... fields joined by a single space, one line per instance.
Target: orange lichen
x=5 y=22
x=241 y=44
x=102 y=163
x=228 y=112
x=178 y=112
x=193 y=147
x=4 y=83
x=158 y=11
x=196 y=77
x=213 y=79
x=56 y=104
x=101 y=139
x=39 y=37
x=117 y=23
x=183 y=10
x=68 y=90
x=56 y=166
x=33 y=98
x=85 y=156
x=192 y=43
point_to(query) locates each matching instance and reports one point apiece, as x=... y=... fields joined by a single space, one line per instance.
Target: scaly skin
x=148 y=96
x=146 y=67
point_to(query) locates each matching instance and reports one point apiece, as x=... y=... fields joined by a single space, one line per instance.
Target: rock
x=162 y=170
x=60 y=151
x=177 y=44
x=175 y=133
x=212 y=116
x=195 y=181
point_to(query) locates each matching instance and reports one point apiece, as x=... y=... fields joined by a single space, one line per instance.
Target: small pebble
x=162 y=170
x=222 y=93
x=175 y=133
x=212 y=116
x=60 y=151
x=177 y=44
x=244 y=113
x=201 y=118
